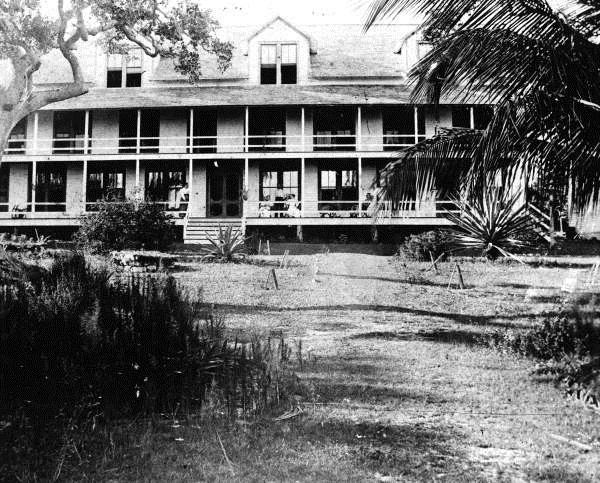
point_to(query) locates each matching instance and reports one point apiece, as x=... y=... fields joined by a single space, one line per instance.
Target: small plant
x=229 y=246
x=423 y=246
x=492 y=223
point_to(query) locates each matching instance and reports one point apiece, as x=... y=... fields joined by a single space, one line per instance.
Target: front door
x=224 y=194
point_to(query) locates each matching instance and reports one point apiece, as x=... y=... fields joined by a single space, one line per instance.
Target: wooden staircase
x=543 y=224
x=198 y=230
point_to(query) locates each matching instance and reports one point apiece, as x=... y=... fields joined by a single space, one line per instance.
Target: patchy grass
x=395 y=384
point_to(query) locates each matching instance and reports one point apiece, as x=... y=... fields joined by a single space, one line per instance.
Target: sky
x=244 y=12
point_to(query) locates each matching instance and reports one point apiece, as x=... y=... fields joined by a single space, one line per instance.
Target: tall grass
x=131 y=344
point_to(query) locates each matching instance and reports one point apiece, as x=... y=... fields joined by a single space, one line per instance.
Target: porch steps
x=198 y=230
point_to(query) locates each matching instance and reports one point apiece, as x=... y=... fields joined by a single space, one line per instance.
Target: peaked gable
x=288 y=25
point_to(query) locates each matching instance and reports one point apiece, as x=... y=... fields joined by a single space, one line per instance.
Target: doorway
x=224 y=193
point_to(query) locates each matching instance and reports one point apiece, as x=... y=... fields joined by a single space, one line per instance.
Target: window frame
x=279 y=64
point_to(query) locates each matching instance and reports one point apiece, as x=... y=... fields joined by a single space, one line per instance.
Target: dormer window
x=279 y=64
x=124 y=70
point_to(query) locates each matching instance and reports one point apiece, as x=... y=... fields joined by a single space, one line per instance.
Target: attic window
x=124 y=70
x=278 y=64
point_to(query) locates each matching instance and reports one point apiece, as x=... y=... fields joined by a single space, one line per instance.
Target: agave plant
x=493 y=222
x=229 y=246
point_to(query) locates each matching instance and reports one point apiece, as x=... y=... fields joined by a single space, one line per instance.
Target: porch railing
x=212 y=144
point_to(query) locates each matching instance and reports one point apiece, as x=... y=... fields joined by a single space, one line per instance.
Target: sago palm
x=538 y=62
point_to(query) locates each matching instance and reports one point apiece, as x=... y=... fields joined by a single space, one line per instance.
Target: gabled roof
x=289 y=25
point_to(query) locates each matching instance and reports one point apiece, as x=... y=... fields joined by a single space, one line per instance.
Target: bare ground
x=402 y=387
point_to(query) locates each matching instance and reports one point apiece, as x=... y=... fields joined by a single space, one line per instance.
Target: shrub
x=493 y=222
x=418 y=247
x=567 y=348
x=130 y=224
x=229 y=246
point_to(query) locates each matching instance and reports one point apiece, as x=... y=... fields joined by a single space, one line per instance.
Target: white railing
x=350 y=209
x=212 y=144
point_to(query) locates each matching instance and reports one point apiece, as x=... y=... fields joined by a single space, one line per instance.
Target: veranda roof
x=237 y=96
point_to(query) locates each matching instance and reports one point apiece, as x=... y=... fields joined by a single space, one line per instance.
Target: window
x=399 y=127
x=334 y=129
x=51 y=187
x=16 y=140
x=338 y=188
x=461 y=117
x=4 y=176
x=286 y=180
x=289 y=66
x=69 y=132
x=267 y=129
x=278 y=64
x=268 y=64
x=483 y=115
x=205 y=131
x=149 y=130
x=165 y=184
x=124 y=70
x=105 y=181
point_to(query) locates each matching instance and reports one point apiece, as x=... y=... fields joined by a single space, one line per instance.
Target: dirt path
x=402 y=389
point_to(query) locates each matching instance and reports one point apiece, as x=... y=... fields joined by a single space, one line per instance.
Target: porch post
x=246 y=129
x=190 y=183
x=416 y=125
x=471 y=117
x=360 y=186
x=33 y=183
x=191 y=139
x=86 y=133
x=302 y=135
x=245 y=204
x=84 y=183
x=36 y=120
x=302 y=186
x=137 y=178
x=359 y=129
x=138 y=131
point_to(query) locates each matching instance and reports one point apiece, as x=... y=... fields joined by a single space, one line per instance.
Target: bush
x=229 y=246
x=567 y=348
x=418 y=247
x=127 y=225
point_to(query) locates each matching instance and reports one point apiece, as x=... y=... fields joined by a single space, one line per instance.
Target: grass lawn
x=398 y=386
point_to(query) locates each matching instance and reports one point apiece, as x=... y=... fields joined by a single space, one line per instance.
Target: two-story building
x=293 y=134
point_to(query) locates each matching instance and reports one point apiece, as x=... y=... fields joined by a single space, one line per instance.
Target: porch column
x=191 y=140
x=359 y=129
x=302 y=184
x=36 y=120
x=84 y=183
x=360 y=186
x=190 y=180
x=302 y=133
x=33 y=183
x=416 y=125
x=137 y=179
x=36 y=123
x=246 y=129
x=471 y=117
x=138 y=131
x=245 y=204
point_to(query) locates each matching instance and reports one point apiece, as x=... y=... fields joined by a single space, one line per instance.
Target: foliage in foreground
x=228 y=246
x=425 y=245
x=566 y=346
x=492 y=223
x=81 y=349
x=126 y=225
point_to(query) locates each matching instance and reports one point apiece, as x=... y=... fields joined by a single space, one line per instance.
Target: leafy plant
x=418 y=247
x=131 y=224
x=492 y=222
x=229 y=246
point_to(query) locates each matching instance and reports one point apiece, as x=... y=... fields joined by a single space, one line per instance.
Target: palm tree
x=539 y=64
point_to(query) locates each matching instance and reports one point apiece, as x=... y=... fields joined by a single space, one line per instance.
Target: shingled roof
x=342 y=51
x=238 y=96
